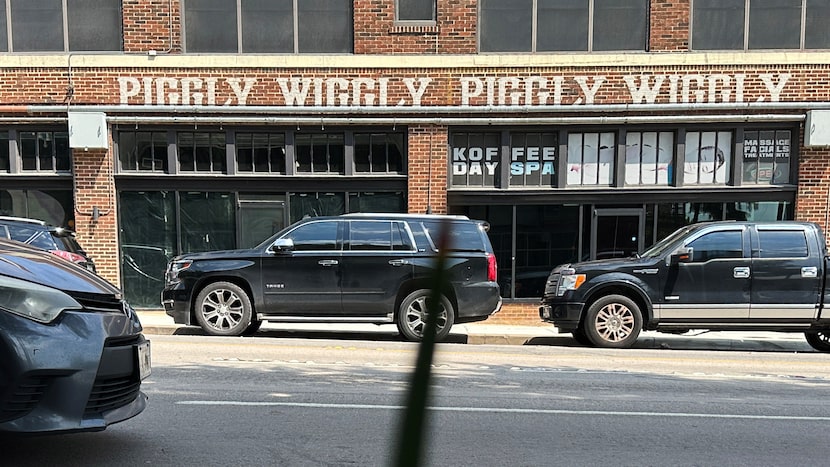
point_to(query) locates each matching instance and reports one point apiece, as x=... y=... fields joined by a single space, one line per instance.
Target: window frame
x=416 y=21
x=6 y=11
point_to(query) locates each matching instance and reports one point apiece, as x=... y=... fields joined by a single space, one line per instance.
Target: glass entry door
x=617 y=232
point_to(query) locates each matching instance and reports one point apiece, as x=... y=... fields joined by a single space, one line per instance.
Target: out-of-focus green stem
x=410 y=442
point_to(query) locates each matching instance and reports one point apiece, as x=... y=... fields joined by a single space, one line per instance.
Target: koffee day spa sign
x=473 y=91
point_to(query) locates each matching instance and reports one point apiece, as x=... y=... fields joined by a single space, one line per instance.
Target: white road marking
x=312 y=405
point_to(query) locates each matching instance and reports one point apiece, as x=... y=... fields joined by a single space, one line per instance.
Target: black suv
x=37 y=233
x=356 y=268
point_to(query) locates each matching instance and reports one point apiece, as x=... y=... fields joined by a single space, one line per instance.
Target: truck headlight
x=34 y=301
x=569 y=282
x=175 y=267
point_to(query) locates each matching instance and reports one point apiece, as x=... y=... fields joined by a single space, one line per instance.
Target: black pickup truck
x=724 y=276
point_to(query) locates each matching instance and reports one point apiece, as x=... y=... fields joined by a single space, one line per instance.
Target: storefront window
x=591 y=158
x=475 y=159
x=533 y=159
x=708 y=157
x=377 y=202
x=45 y=151
x=5 y=159
x=316 y=204
x=648 y=158
x=767 y=157
x=207 y=221
x=55 y=207
x=202 y=152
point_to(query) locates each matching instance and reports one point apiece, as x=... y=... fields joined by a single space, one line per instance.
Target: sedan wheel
x=613 y=321
x=819 y=340
x=412 y=316
x=223 y=309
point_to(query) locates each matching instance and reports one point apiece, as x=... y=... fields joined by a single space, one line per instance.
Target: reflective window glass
x=315 y=236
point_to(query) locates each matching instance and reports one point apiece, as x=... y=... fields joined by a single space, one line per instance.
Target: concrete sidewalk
x=158 y=323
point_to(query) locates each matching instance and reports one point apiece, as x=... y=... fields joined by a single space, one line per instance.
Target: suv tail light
x=491 y=267
x=75 y=258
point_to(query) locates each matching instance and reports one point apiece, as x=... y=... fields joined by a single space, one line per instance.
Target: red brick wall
x=669 y=31
x=376 y=31
x=147 y=26
x=428 y=169
x=95 y=187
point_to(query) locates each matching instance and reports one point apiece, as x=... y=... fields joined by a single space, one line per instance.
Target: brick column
x=95 y=188
x=670 y=22
x=428 y=169
x=813 y=199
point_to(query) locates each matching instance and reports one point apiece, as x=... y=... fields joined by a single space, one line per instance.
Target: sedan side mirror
x=683 y=254
x=282 y=245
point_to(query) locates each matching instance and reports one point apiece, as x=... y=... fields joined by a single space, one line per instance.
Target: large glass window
x=45 y=151
x=562 y=25
x=377 y=202
x=591 y=158
x=379 y=153
x=782 y=244
x=55 y=207
x=39 y=25
x=648 y=157
x=207 y=221
x=708 y=157
x=717 y=245
x=316 y=204
x=143 y=151
x=767 y=157
x=315 y=236
x=267 y=26
x=760 y=24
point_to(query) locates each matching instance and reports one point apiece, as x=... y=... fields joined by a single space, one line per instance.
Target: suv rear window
x=464 y=236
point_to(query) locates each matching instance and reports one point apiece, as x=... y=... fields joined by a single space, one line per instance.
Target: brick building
x=156 y=127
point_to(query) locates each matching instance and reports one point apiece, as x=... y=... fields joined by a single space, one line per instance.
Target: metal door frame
x=640 y=213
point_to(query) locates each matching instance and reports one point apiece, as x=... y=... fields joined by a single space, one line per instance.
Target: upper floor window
x=143 y=151
x=45 y=151
x=60 y=25
x=591 y=158
x=268 y=26
x=533 y=159
x=202 y=151
x=562 y=25
x=767 y=157
x=260 y=153
x=320 y=153
x=760 y=24
x=648 y=157
x=475 y=159
x=708 y=157
x=415 y=10
x=378 y=153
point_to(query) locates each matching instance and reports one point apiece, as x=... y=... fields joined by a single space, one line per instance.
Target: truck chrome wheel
x=613 y=321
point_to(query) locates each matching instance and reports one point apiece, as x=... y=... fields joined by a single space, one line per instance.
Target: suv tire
x=613 y=321
x=819 y=340
x=412 y=316
x=223 y=309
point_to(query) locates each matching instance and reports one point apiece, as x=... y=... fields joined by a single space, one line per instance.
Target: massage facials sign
x=473 y=91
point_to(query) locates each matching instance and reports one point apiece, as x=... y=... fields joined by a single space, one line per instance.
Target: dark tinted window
x=782 y=244
x=325 y=26
x=717 y=245
x=506 y=25
x=416 y=10
x=718 y=24
x=620 y=24
x=370 y=235
x=464 y=236
x=35 y=236
x=315 y=236
x=37 y=25
x=94 y=24
x=210 y=26
x=816 y=32
x=267 y=26
x=774 y=24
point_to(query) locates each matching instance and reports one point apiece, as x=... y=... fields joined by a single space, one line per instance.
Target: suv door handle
x=328 y=262
x=398 y=262
x=740 y=273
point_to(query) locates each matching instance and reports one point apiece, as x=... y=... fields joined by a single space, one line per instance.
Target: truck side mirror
x=683 y=254
x=282 y=245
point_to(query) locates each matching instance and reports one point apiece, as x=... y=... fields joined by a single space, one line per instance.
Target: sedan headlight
x=33 y=301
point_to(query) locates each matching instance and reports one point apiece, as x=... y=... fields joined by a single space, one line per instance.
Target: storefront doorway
x=617 y=232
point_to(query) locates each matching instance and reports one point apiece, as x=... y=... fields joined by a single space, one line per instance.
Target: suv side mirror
x=684 y=254
x=282 y=245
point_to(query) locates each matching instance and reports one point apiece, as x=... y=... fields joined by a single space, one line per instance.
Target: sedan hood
x=23 y=262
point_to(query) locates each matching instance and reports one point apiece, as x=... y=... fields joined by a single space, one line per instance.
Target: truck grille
x=550 y=286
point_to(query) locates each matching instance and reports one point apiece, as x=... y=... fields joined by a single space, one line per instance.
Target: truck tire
x=613 y=321
x=223 y=309
x=819 y=340
x=580 y=337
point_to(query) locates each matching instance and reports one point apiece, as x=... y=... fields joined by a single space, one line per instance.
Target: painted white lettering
x=589 y=91
x=458 y=154
x=467 y=93
x=492 y=153
x=334 y=98
x=644 y=92
x=725 y=81
x=476 y=154
x=416 y=92
x=459 y=168
x=127 y=88
x=172 y=97
x=512 y=85
x=241 y=92
x=491 y=167
x=774 y=89
x=688 y=82
x=189 y=87
x=548 y=153
x=294 y=90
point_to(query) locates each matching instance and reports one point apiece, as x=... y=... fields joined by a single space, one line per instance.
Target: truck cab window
x=717 y=245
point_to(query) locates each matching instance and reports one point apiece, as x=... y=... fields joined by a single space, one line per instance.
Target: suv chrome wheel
x=412 y=317
x=223 y=309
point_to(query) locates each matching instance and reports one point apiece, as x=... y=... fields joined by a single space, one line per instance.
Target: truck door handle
x=328 y=262
x=398 y=262
x=740 y=273
x=809 y=271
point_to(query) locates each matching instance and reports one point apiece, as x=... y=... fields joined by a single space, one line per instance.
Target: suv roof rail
x=404 y=215
x=23 y=219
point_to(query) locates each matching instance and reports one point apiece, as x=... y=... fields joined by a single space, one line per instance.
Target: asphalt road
x=319 y=402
